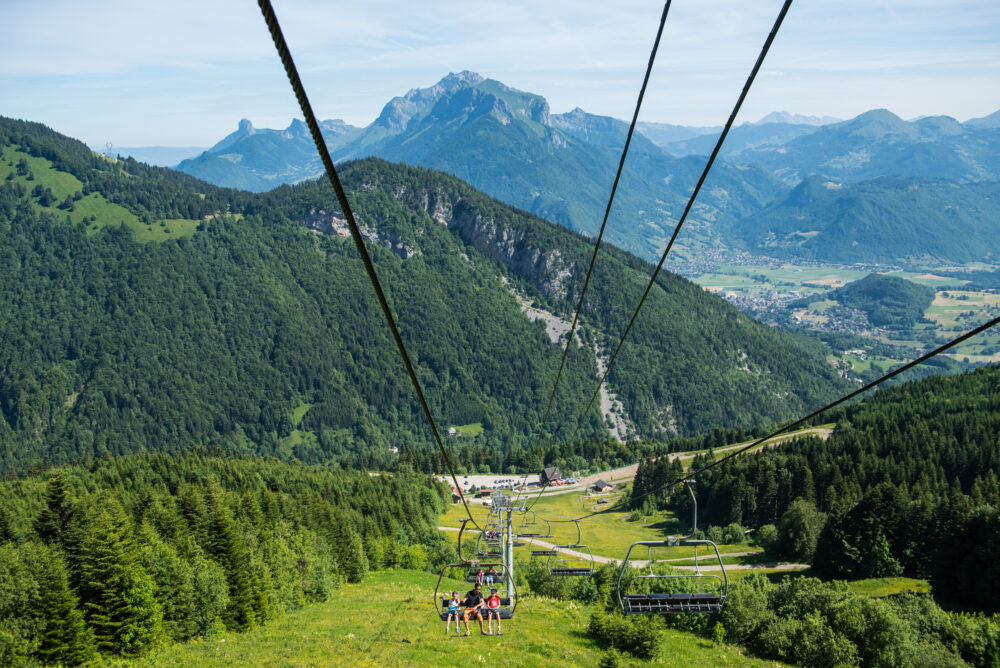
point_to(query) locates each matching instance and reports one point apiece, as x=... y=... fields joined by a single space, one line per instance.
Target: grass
x=173 y=228
x=94 y=205
x=707 y=558
x=469 y=430
x=745 y=279
x=299 y=413
x=880 y=587
x=608 y=535
x=822 y=306
x=388 y=621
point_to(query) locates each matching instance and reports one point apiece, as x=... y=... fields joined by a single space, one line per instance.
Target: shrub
x=767 y=538
x=637 y=636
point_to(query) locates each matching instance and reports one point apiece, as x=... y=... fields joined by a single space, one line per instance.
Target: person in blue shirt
x=452 y=613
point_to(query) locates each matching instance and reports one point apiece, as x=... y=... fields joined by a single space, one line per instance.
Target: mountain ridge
x=219 y=337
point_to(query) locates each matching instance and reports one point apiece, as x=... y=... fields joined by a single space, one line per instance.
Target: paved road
x=642 y=563
x=627 y=473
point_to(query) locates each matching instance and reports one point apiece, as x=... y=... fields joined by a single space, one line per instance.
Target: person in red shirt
x=493 y=611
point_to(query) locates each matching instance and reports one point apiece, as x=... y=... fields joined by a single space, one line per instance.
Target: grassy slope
x=105 y=212
x=607 y=535
x=388 y=621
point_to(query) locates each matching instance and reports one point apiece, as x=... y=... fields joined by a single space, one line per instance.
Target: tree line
x=907 y=484
x=127 y=554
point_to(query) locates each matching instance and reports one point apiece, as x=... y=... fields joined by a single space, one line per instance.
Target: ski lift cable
x=847 y=397
x=687 y=209
x=604 y=222
x=324 y=154
x=683 y=218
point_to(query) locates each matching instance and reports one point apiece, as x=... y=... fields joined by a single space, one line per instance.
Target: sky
x=183 y=73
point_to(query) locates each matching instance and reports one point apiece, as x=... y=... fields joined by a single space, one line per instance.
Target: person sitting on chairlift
x=473 y=603
x=491 y=575
x=452 y=614
x=479 y=577
x=493 y=612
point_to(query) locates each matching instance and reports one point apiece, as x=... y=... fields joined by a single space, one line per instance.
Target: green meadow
x=93 y=209
x=607 y=535
x=389 y=620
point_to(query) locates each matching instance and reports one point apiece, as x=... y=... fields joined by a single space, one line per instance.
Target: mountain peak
x=796 y=119
x=399 y=111
x=991 y=121
x=244 y=129
x=878 y=123
x=464 y=77
x=297 y=128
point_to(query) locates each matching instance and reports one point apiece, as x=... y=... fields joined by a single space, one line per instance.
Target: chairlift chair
x=559 y=565
x=473 y=573
x=673 y=602
x=527 y=527
x=508 y=603
x=488 y=549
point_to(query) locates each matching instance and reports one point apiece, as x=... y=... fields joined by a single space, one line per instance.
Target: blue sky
x=183 y=73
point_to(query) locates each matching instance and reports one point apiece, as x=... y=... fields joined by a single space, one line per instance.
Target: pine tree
x=55 y=517
x=6 y=533
x=120 y=596
x=350 y=549
x=64 y=637
x=247 y=598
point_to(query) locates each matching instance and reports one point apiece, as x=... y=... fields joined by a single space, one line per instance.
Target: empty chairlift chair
x=528 y=527
x=560 y=566
x=706 y=592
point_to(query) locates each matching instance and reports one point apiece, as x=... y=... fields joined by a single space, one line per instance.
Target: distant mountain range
x=506 y=143
x=878 y=143
x=561 y=166
x=908 y=220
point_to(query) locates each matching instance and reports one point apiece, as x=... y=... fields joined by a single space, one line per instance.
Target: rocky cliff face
x=548 y=270
x=398 y=112
x=333 y=223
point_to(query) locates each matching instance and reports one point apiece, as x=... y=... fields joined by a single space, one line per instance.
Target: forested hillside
x=882 y=220
x=253 y=328
x=887 y=301
x=130 y=554
x=909 y=483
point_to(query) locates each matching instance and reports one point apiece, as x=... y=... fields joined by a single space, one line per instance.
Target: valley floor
x=388 y=621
